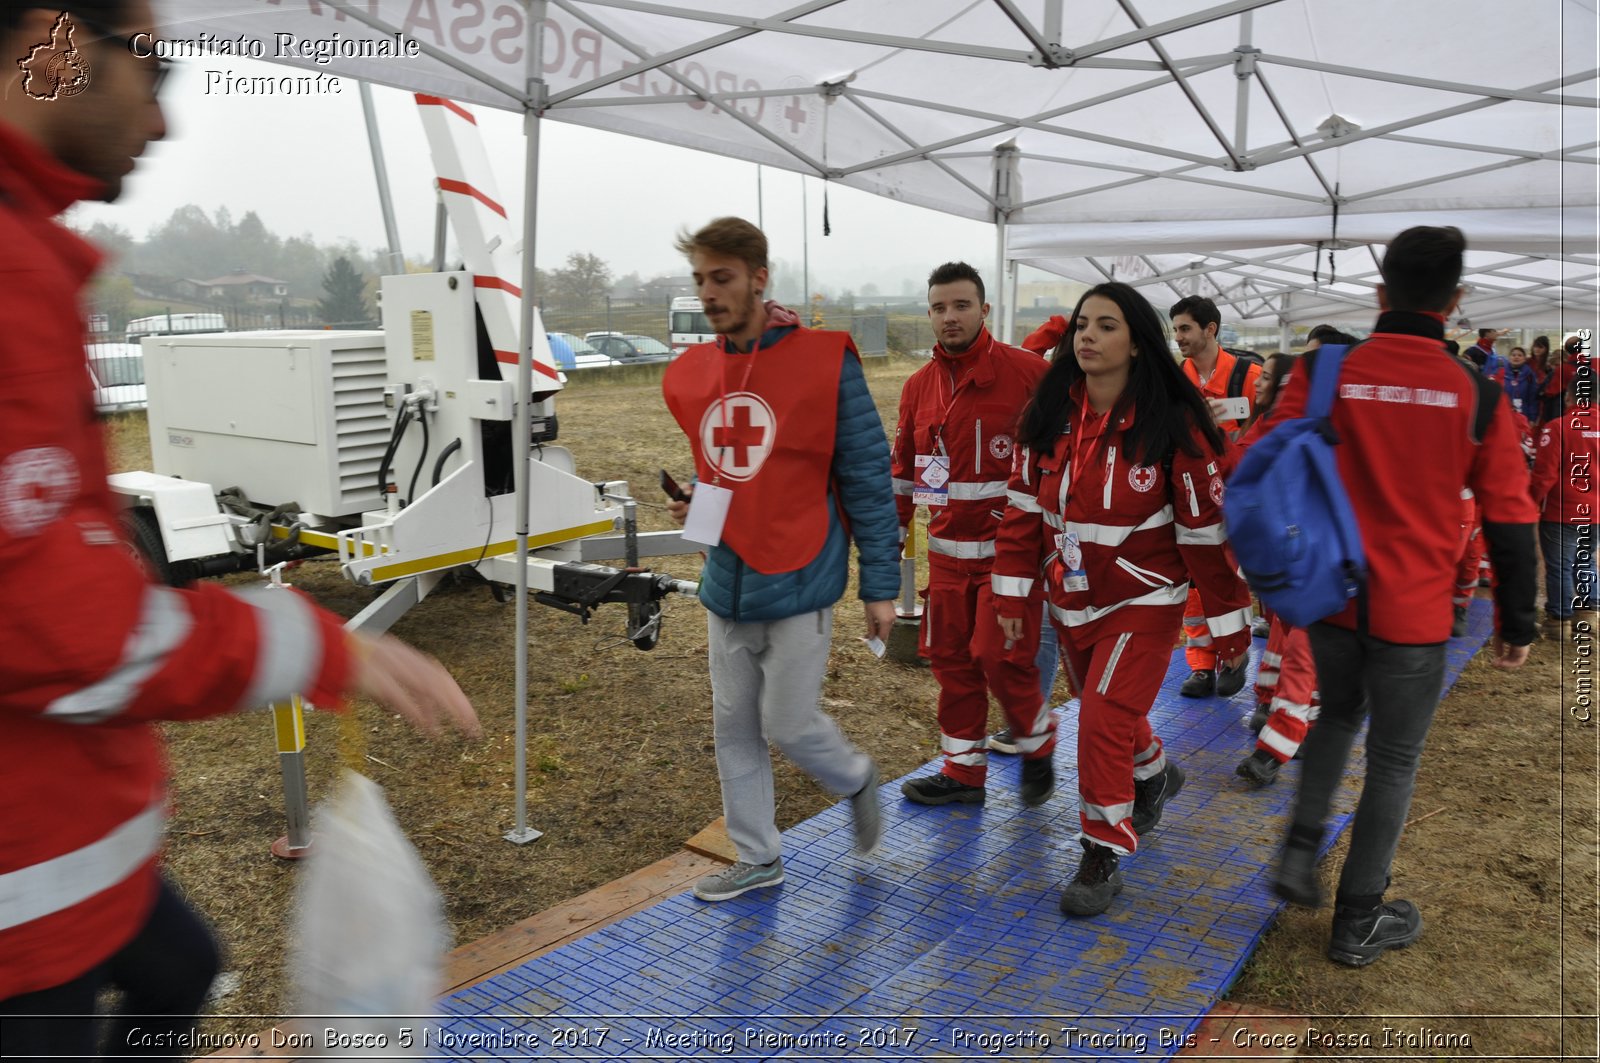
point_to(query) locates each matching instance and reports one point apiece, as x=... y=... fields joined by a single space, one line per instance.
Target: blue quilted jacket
x=733 y=590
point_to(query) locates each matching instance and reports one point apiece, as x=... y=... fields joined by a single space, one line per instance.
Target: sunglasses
x=158 y=72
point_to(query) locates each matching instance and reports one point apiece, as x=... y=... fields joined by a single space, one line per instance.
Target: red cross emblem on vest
x=737 y=434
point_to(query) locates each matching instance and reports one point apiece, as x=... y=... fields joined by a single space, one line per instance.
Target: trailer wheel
x=142 y=533
x=647 y=621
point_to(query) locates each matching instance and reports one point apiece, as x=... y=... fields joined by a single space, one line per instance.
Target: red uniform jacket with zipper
x=1137 y=533
x=93 y=653
x=1565 y=470
x=970 y=404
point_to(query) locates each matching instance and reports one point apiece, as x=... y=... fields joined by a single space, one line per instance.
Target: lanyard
x=722 y=400
x=1074 y=454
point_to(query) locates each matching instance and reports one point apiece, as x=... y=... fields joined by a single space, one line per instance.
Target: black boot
x=1152 y=794
x=1230 y=680
x=1361 y=935
x=1296 y=881
x=1199 y=684
x=1097 y=881
x=941 y=790
x=1260 y=768
x=1038 y=781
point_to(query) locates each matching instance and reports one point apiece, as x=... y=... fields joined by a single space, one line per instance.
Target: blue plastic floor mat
x=947 y=944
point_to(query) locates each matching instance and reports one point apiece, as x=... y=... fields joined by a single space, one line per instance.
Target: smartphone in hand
x=670 y=486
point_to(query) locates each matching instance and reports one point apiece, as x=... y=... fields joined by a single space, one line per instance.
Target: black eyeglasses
x=158 y=73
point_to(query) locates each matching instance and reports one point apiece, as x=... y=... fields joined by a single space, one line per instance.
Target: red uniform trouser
x=1116 y=679
x=962 y=640
x=1197 y=637
x=1471 y=551
x=1287 y=679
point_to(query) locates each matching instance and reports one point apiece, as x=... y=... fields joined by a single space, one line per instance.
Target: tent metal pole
x=1011 y=300
x=1285 y=333
x=1244 y=67
x=997 y=284
x=521 y=428
x=397 y=260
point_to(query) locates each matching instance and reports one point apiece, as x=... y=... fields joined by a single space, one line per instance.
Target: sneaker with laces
x=1151 y=795
x=1361 y=935
x=941 y=790
x=1260 y=768
x=866 y=816
x=1038 y=781
x=1097 y=881
x=1002 y=741
x=1458 y=626
x=1200 y=684
x=1230 y=680
x=740 y=878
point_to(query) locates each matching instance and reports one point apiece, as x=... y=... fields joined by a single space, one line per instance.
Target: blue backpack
x=1288 y=516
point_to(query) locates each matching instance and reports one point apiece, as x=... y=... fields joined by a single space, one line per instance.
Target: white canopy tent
x=1264 y=126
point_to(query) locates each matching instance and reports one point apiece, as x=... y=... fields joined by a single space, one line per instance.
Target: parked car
x=572 y=353
x=116 y=371
x=629 y=349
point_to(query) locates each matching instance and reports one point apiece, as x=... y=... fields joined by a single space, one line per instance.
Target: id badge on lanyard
x=1074 y=577
x=932 y=485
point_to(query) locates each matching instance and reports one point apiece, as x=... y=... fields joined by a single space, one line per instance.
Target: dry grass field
x=1501 y=854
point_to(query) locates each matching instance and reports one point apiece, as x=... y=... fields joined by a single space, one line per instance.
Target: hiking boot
x=1230 y=680
x=1458 y=627
x=1258 y=719
x=1097 y=881
x=1151 y=795
x=740 y=878
x=1038 y=781
x=1200 y=684
x=1002 y=741
x=866 y=816
x=1260 y=768
x=1260 y=628
x=1296 y=881
x=1360 y=935
x=941 y=790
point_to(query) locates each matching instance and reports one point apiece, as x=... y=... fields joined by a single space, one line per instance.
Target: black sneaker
x=941 y=790
x=1038 y=781
x=1458 y=628
x=1296 y=881
x=1198 y=685
x=1097 y=881
x=1360 y=935
x=1230 y=680
x=1002 y=741
x=1151 y=795
x=1260 y=768
x=1258 y=719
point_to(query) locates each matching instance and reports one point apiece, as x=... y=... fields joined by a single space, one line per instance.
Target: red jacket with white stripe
x=1138 y=533
x=91 y=653
x=1404 y=418
x=970 y=403
x=1565 y=470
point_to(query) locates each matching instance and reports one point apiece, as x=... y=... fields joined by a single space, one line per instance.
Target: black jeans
x=163 y=973
x=1399 y=687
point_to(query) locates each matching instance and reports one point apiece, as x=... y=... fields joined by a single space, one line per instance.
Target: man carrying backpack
x=1384 y=654
x=1219 y=374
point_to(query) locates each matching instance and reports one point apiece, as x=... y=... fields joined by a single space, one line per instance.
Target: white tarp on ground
x=1129 y=118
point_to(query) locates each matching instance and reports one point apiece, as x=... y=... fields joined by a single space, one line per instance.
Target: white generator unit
x=284 y=416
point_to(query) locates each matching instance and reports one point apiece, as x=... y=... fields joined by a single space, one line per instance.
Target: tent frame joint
x=1053 y=57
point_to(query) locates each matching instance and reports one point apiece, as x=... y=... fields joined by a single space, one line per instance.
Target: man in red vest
x=95 y=655
x=1218 y=374
x=791 y=464
x=952 y=453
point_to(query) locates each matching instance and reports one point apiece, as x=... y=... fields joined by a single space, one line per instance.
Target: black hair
x=1330 y=335
x=1277 y=366
x=1541 y=341
x=1422 y=267
x=1485 y=332
x=1170 y=410
x=100 y=12
x=951 y=272
x=1453 y=347
x=1203 y=310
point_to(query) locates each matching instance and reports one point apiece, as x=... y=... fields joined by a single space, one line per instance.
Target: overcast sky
x=302 y=163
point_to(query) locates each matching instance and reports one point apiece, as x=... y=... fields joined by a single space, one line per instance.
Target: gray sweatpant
x=765 y=681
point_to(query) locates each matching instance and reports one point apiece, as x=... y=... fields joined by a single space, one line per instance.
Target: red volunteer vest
x=770 y=440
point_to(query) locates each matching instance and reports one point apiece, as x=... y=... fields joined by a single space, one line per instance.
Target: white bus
x=687 y=325
x=174 y=324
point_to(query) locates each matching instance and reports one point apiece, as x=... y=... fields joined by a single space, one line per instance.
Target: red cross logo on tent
x=737 y=434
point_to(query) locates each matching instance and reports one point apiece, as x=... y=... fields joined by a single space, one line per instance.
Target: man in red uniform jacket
x=1384 y=657
x=1195 y=322
x=952 y=453
x=93 y=653
x=1568 y=494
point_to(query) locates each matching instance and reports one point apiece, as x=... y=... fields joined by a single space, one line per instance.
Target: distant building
x=239 y=285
